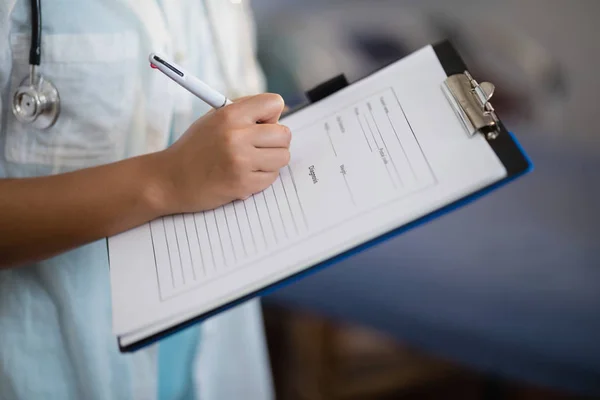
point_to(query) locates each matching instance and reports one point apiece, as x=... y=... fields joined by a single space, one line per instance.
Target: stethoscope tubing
x=45 y=95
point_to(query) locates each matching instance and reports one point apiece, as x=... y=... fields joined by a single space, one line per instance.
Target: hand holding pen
x=227 y=155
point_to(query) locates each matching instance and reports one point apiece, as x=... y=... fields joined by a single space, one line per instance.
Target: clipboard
x=471 y=103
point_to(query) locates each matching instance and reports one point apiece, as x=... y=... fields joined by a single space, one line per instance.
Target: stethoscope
x=36 y=101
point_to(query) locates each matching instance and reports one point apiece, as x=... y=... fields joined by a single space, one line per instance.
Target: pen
x=189 y=82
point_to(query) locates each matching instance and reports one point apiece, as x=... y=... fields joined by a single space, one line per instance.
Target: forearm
x=41 y=217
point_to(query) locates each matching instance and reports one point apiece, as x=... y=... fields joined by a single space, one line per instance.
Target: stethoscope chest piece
x=36 y=102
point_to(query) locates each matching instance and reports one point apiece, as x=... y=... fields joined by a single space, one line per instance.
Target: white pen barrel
x=205 y=92
x=189 y=82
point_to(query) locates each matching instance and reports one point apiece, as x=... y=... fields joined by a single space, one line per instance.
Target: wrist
x=156 y=187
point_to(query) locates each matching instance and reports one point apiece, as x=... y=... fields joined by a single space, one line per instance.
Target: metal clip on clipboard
x=470 y=101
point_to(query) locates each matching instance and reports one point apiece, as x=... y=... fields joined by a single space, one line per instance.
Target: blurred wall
x=567 y=30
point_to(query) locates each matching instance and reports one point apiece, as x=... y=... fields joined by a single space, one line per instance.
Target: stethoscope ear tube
x=35 y=51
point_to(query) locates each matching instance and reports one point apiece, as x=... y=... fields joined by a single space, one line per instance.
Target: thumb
x=264 y=108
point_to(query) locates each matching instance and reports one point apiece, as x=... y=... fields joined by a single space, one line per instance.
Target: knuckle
x=228 y=115
x=286 y=133
x=238 y=164
x=282 y=158
x=287 y=156
x=272 y=178
x=274 y=99
x=232 y=138
x=268 y=179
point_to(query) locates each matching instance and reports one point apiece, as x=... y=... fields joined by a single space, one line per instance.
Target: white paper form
x=368 y=159
x=356 y=158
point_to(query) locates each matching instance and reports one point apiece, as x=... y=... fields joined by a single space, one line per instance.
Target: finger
x=270 y=135
x=262 y=180
x=270 y=160
x=263 y=108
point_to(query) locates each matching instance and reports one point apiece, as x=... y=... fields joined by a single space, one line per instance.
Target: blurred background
x=500 y=299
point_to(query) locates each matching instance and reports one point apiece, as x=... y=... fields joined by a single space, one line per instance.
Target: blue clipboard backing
x=506 y=147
